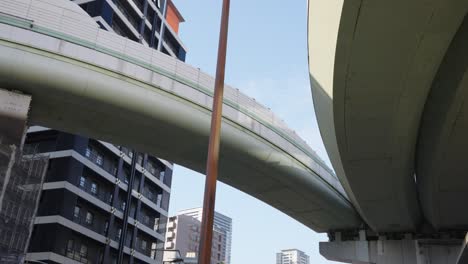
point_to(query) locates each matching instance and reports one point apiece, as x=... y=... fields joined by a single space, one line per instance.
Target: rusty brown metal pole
x=213 y=147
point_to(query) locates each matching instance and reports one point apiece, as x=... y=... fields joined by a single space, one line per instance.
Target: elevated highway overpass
x=389 y=81
x=89 y=81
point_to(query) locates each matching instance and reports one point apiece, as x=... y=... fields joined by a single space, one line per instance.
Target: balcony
x=139 y=4
x=39 y=147
x=152 y=196
x=171 y=224
x=98 y=159
x=120 y=4
x=81 y=220
x=78 y=256
x=144 y=247
x=103 y=196
x=170 y=245
x=170 y=234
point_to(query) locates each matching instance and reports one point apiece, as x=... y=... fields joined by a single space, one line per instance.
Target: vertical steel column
x=127 y=209
x=142 y=22
x=115 y=196
x=163 y=21
x=213 y=147
x=138 y=208
x=153 y=29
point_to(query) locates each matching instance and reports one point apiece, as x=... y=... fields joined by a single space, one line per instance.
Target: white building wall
x=222 y=223
x=183 y=234
x=292 y=256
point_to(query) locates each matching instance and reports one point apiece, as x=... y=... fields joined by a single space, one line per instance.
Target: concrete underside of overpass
x=389 y=84
x=389 y=81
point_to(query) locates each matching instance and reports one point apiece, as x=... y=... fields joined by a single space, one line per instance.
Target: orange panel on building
x=173 y=17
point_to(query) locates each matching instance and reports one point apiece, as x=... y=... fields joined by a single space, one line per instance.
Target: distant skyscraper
x=183 y=234
x=222 y=224
x=292 y=256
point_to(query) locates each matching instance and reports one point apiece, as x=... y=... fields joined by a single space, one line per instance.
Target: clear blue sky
x=267 y=59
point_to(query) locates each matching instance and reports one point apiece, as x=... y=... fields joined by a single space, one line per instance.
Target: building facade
x=100 y=203
x=183 y=235
x=292 y=256
x=221 y=224
x=154 y=23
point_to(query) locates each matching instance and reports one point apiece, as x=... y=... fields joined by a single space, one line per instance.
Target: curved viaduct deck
x=389 y=86
x=92 y=82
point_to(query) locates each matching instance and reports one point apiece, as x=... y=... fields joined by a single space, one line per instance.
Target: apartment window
x=89 y=218
x=70 y=246
x=111 y=196
x=219 y=238
x=76 y=212
x=88 y=152
x=99 y=160
x=143 y=244
x=83 y=251
x=219 y=256
x=119 y=233
x=106 y=227
x=82 y=181
x=219 y=247
x=161 y=175
x=94 y=188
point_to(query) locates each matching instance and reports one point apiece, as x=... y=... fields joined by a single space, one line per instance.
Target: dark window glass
x=88 y=152
x=119 y=233
x=83 y=251
x=94 y=188
x=82 y=181
x=76 y=212
x=89 y=218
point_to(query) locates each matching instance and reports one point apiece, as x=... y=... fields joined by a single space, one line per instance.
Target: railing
x=119 y=4
x=147 y=221
x=103 y=196
x=76 y=255
x=99 y=160
x=40 y=147
x=145 y=251
x=118 y=30
x=81 y=220
x=139 y=4
x=152 y=196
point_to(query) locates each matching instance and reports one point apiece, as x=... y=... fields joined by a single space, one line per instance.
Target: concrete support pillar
x=14 y=108
x=382 y=251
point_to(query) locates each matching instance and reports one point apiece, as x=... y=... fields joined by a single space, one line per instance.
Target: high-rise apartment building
x=103 y=203
x=222 y=224
x=183 y=235
x=94 y=207
x=154 y=23
x=292 y=256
